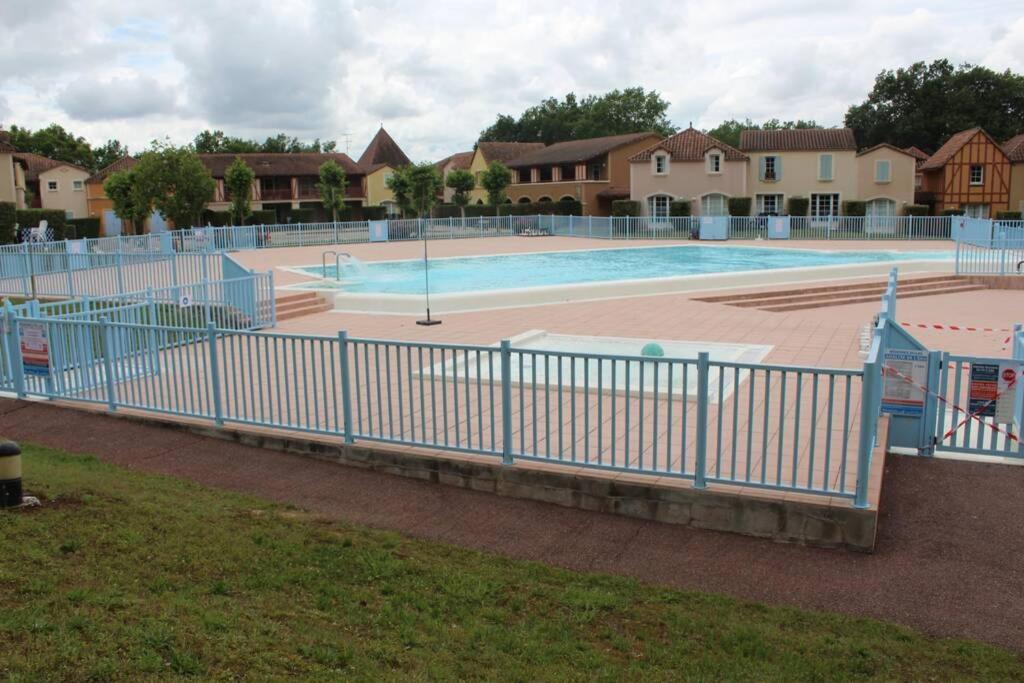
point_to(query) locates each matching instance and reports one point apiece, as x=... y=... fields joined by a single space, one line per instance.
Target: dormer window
x=660 y=164
x=714 y=163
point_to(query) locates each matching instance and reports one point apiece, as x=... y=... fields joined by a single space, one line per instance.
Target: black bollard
x=10 y=474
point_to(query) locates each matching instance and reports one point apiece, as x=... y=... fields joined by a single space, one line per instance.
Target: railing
x=1001 y=257
x=777 y=427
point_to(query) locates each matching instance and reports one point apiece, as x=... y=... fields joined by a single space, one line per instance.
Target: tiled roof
x=506 y=151
x=798 y=140
x=120 y=165
x=885 y=145
x=690 y=145
x=917 y=153
x=459 y=161
x=280 y=163
x=37 y=163
x=575 y=151
x=1014 y=148
x=383 y=150
x=949 y=149
x=614 y=192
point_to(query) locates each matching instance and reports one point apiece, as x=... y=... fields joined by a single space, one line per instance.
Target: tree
x=398 y=183
x=53 y=142
x=108 y=153
x=729 y=131
x=462 y=182
x=615 y=113
x=924 y=104
x=495 y=180
x=176 y=181
x=332 y=187
x=217 y=142
x=238 y=179
x=130 y=203
x=424 y=183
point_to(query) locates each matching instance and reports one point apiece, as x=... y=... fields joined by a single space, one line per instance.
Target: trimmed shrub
x=739 y=206
x=952 y=212
x=215 y=218
x=447 y=211
x=625 y=207
x=797 y=206
x=474 y=210
x=915 y=210
x=680 y=207
x=55 y=220
x=262 y=217
x=854 y=207
x=1008 y=215
x=8 y=217
x=371 y=213
x=83 y=227
x=300 y=215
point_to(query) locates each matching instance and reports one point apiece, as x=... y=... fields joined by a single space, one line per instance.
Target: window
x=882 y=171
x=976 y=210
x=977 y=174
x=714 y=163
x=769 y=204
x=825 y=167
x=770 y=169
x=918 y=181
x=660 y=164
x=880 y=207
x=545 y=174
x=69 y=214
x=713 y=205
x=825 y=204
x=657 y=206
x=595 y=170
x=524 y=175
x=51 y=185
x=77 y=185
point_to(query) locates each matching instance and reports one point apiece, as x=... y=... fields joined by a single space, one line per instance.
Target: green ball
x=652 y=350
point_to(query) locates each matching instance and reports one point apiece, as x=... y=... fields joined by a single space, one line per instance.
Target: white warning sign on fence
x=906 y=373
x=185 y=301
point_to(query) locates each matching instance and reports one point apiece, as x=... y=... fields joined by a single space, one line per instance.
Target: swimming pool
x=547 y=269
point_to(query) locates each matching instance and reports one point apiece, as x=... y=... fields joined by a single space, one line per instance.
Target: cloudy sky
x=437 y=73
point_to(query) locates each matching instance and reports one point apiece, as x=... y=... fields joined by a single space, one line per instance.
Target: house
x=488 y=152
x=691 y=166
x=920 y=156
x=823 y=165
x=55 y=185
x=285 y=181
x=969 y=172
x=593 y=171
x=12 y=173
x=99 y=206
x=1014 y=150
x=380 y=159
x=460 y=161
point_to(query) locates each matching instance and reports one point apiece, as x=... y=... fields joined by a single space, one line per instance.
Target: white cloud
x=436 y=75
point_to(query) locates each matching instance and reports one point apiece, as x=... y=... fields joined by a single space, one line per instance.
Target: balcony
x=269 y=193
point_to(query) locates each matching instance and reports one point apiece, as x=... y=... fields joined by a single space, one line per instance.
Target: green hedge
x=952 y=212
x=854 y=207
x=474 y=210
x=216 y=218
x=797 y=206
x=370 y=213
x=8 y=217
x=83 y=227
x=1008 y=215
x=739 y=206
x=262 y=217
x=55 y=220
x=625 y=207
x=447 y=211
x=680 y=207
x=300 y=215
x=915 y=210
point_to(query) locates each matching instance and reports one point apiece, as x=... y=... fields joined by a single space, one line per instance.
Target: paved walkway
x=947 y=560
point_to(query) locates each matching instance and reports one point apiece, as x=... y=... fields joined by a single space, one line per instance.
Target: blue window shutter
x=760 y=168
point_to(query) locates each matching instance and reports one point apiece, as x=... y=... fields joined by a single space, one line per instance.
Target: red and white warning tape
x=968 y=416
x=955 y=328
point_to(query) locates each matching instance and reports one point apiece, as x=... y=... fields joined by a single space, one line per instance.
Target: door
x=111 y=224
x=881 y=217
x=157 y=224
x=979 y=410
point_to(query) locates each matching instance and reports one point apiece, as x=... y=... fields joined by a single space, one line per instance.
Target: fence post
x=590 y=226
x=703 y=373
x=506 y=402
x=27 y=279
x=346 y=398
x=14 y=350
x=120 y=270
x=931 y=404
x=154 y=356
x=572 y=231
x=211 y=340
x=108 y=365
x=868 y=426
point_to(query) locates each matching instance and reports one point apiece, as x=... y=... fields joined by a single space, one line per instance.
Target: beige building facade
x=12 y=174
x=62 y=188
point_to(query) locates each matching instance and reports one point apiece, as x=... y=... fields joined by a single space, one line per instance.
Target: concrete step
x=878 y=287
x=297 y=296
x=905 y=289
x=300 y=312
x=861 y=299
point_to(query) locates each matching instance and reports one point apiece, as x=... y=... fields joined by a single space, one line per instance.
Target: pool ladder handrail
x=337 y=262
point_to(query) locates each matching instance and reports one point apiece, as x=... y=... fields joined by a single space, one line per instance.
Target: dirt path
x=948 y=561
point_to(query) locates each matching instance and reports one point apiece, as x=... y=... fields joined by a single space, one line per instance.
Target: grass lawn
x=134 y=576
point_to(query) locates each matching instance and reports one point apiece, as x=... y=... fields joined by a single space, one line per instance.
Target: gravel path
x=949 y=559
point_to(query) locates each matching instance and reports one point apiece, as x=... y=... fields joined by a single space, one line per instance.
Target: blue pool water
x=520 y=271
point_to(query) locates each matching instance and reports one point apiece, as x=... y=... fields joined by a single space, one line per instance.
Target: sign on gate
x=906 y=372
x=378 y=231
x=992 y=390
x=35 y=349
